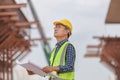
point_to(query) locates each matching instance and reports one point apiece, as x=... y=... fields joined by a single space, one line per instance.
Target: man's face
x=60 y=31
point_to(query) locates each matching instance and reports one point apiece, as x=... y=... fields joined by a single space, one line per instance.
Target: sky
x=88 y=20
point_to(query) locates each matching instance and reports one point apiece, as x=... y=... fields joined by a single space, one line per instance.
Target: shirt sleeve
x=70 y=59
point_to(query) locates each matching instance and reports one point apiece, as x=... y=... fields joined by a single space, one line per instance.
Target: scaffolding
x=109 y=53
x=15 y=37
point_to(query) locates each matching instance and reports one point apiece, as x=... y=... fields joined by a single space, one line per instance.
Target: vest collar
x=62 y=42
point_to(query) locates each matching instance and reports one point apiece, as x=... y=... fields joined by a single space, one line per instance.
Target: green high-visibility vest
x=60 y=60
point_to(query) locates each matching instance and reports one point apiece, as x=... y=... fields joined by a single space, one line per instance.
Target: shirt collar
x=62 y=42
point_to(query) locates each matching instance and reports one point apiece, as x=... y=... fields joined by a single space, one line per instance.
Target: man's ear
x=68 y=31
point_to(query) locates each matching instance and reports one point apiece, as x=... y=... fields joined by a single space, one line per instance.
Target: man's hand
x=49 y=69
x=30 y=72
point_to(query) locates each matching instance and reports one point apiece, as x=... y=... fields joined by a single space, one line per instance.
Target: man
x=62 y=58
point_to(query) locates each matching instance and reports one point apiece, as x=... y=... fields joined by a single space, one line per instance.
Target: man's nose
x=55 y=28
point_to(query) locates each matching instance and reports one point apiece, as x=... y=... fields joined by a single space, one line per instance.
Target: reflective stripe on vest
x=60 y=60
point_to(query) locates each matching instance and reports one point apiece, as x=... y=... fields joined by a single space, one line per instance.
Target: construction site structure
x=109 y=48
x=113 y=15
x=15 y=37
x=108 y=51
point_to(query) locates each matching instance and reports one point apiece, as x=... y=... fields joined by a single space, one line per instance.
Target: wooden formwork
x=13 y=42
x=109 y=53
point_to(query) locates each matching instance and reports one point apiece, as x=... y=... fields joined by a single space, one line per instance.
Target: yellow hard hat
x=64 y=22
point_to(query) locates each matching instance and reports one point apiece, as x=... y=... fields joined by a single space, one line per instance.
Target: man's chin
x=55 y=35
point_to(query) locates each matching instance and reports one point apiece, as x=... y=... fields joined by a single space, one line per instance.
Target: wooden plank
x=20 y=24
x=40 y=39
x=7 y=18
x=8 y=13
x=14 y=18
x=94 y=46
x=92 y=55
x=111 y=55
x=8 y=6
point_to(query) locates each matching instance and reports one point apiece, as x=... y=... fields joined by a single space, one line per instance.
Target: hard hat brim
x=56 y=23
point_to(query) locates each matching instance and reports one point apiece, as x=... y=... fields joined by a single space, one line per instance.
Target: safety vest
x=60 y=60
